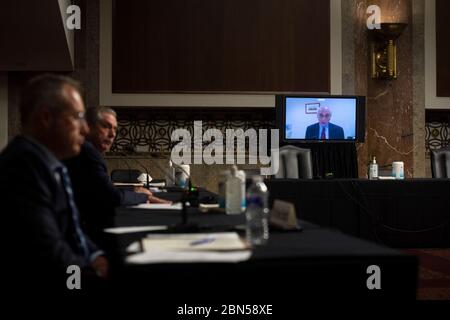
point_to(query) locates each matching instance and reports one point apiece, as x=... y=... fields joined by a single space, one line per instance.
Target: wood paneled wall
x=442 y=48
x=221 y=46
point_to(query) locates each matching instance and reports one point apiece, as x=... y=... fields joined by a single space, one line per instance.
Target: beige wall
x=205 y=176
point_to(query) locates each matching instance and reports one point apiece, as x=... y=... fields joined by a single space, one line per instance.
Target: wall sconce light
x=383 y=50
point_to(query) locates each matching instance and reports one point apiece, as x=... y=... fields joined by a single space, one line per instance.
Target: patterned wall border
x=150 y=130
x=437 y=132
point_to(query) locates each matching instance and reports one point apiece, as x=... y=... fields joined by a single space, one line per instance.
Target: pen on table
x=202 y=241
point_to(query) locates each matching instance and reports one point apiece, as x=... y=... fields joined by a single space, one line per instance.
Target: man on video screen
x=324 y=129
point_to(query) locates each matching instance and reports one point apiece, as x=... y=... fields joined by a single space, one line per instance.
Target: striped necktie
x=65 y=179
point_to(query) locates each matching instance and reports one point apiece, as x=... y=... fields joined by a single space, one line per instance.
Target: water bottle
x=257 y=213
x=182 y=175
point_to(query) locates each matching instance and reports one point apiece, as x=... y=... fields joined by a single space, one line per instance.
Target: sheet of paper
x=221 y=241
x=188 y=257
x=128 y=184
x=122 y=230
x=157 y=184
x=134 y=247
x=156 y=190
x=386 y=178
x=159 y=206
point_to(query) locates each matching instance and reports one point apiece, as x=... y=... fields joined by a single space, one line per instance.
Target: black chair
x=440 y=163
x=295 y=162
x=125 y=175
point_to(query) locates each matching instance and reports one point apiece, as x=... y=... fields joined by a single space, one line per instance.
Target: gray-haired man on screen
x=324 y=129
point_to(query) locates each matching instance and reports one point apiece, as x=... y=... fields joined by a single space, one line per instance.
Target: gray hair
x=45 y=91
x=324 y=108
x=94 y=115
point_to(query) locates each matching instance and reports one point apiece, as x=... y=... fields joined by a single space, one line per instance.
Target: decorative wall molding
x=150 y=130
x=437 y=129
x=437 y=135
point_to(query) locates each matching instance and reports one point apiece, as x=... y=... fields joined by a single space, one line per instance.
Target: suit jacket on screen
x=334 y=132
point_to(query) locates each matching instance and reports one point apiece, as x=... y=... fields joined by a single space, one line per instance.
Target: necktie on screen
x=65 y=179
x=323 y=136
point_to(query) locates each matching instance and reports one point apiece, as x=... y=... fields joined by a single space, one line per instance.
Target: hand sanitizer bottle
x=373 y=169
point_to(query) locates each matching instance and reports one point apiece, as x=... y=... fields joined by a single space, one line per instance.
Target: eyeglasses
x=326 y=115
x=80 y=116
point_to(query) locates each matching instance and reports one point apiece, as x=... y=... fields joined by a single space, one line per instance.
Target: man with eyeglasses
x=95 y=194
x=42 y=232
x=324 y=129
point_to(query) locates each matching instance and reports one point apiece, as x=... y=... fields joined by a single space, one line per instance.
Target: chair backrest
x=125 y=175
x=440 y=163
x=295 y=162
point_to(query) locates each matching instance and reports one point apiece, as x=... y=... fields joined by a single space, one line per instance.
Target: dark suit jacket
x=38 y=229
x=95 y=195
x=334 y=131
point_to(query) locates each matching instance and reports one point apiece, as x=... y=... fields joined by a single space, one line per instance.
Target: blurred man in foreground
x=43 y=229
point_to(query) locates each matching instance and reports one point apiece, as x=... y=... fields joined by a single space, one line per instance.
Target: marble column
x=395 y=108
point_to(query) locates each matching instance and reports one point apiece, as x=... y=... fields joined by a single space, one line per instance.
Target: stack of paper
x=123 y=230
x=222 y=241
x=189 y=257
x=159 y=206
x=192 y=247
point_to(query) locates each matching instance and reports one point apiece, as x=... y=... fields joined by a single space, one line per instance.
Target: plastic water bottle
x=257 y=213
x=182 y=175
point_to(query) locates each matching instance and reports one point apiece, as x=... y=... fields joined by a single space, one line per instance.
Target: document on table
x=221 y=241
x=122 y=230
x=159 y=206
x=128 y=184
x=191 y=247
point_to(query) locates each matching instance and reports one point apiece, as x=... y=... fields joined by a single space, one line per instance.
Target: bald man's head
x=324 y=115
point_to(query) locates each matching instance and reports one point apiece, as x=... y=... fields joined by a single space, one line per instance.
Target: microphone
x=145 y=169
x=130 y=148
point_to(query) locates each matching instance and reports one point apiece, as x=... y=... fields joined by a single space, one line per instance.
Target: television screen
x=324 y=118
